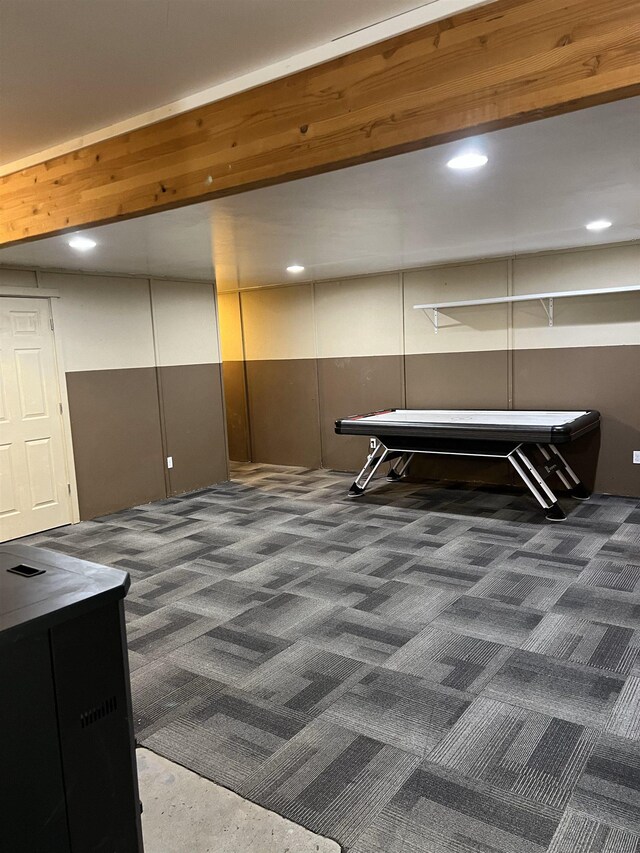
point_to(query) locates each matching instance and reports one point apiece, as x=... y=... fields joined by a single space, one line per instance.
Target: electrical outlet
x=636 y=457
x=169 y=461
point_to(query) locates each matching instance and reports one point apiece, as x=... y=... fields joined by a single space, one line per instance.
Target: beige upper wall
x=18 y=278
x=359 y=317
x=185 y=323
x=367 y=316
x=609 y=320
x=464 y=329
x=231 y=342
x=278 y=323
x=105 y=321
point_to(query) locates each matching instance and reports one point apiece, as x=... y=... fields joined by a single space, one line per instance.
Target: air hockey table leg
x=577 y=489
x=397 y=471
x=536 y=485
x=374 y=460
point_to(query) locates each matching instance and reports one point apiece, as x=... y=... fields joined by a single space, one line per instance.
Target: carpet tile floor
x=427 y=669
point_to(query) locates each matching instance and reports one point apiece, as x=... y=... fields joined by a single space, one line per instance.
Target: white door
x=34 y=494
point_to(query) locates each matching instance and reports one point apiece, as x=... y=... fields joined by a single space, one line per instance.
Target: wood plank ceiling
x=500 y=65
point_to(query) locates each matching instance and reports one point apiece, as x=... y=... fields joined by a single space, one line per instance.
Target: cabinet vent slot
x=88 y=718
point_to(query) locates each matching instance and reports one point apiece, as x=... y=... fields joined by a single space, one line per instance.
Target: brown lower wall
x=284 y=406
x=603 y=378
x=118 y=438
x=349 y=386
x=283 y=412
x=194 y=425
x=235 y=395
x=117 y=442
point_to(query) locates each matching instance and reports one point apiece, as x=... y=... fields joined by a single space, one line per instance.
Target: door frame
x=53 y=298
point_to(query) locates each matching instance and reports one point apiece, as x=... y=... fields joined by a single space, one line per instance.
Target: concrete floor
x=184 y=813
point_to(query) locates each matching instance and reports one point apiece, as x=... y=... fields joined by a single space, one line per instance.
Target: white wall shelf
x=546 y=299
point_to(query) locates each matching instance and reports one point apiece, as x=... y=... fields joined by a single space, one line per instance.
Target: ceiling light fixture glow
x=470 y=160
x=82 y=244
x=598 y=225
x=295 y=268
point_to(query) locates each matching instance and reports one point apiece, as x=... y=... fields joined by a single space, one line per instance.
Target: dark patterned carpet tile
x=610 y=574
x=520 y=590
x=529 y=754
x=341 y=588
x=345 y=631
x=433 y=571
x=579 y=833
x=619 y=550
x=625 y=718
x=609 y=788
x=227 y=736
x=162 y=691
x=418 y=544
x=613 y=648
x=575 y=693
x=170 y=586
x=227 y=653
x=468 y=551
x=599 y=605
x=439 y=811
x=166 y=629
x=135 y=609
x=450 y=659
x=282 y=614
x=330 y=780
x=405 y=605
x=276 y=574
x=551 y=565
x=568 y=541
x=304 y=678
x=399 y=709
x=489 y=620
x=354 y=533
x=222 y=600
x=377 y=562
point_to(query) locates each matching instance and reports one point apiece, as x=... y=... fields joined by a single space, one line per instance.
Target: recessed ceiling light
x=295 y=268
x=470 y=160
x=82 y=244
x=598 y=225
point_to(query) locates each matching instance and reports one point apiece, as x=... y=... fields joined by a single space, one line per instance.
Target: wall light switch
x=170 y=461
x=636 y=457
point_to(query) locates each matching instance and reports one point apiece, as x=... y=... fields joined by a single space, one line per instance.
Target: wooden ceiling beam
x=496 y=66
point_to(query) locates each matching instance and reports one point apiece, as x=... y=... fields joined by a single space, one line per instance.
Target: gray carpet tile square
x=614 y=648
x=489 y=620
x=228 y=735
x=576 y=693
x=228 y=653
x=431 y=668
x=625 y=717
x=532 y=755
x=330 y=779
x=600 y=605
x=612 y=574
x=162 y=691
x=450 y=659
x=304 y=678
x=579 y=833
x=363 y=636
x=609 y=788
x=439 y=811
x=399 y=709
x=521 y=590
x=166 y=629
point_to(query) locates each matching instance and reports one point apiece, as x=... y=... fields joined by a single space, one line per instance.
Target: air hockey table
x=527 y=439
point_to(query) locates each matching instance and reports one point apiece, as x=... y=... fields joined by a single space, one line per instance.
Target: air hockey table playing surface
x=517 y=436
